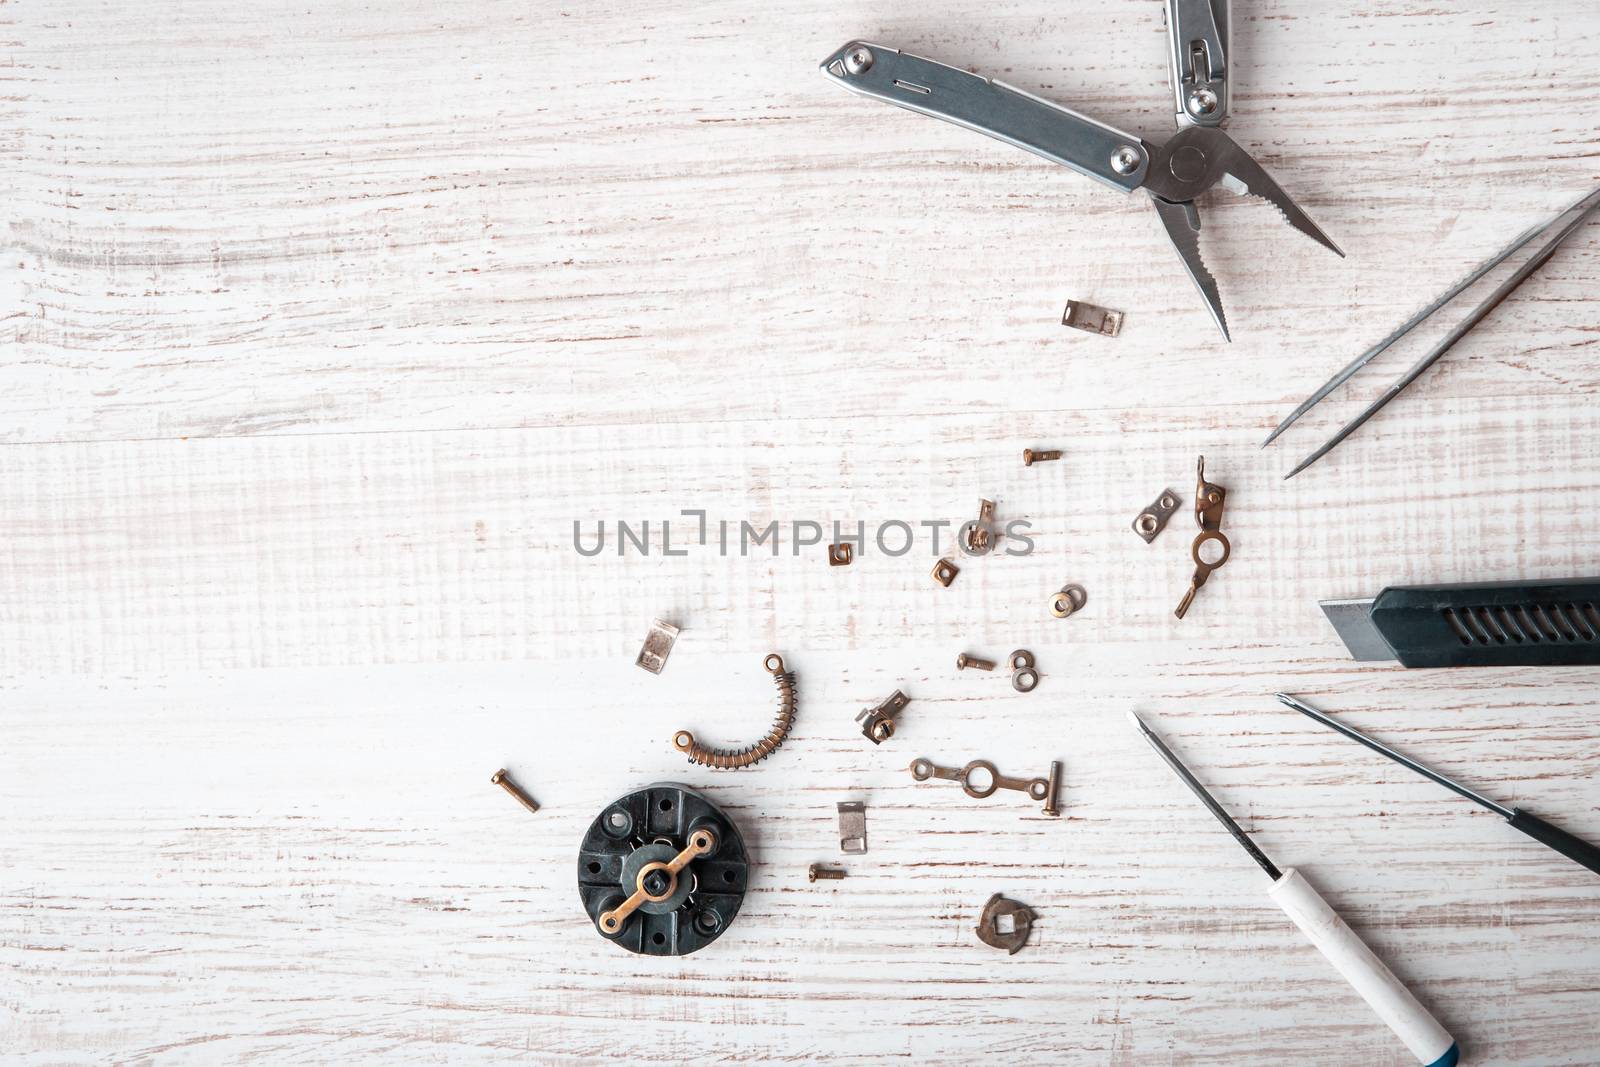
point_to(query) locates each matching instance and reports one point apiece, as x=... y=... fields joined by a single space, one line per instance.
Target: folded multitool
x=1174 y=173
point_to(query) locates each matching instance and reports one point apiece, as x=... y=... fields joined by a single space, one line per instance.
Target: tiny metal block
x=852 y=827
x=1092 y=319
x=944 y=572
x=841 y=554
x=657 y=646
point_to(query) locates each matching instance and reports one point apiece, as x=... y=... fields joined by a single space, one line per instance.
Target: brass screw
x=825 y=873
x=1050 y=807
x=503 y=780
x=964 y=661
x=1030 y=457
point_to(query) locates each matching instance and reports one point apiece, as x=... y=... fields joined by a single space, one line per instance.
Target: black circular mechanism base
x=682 y=912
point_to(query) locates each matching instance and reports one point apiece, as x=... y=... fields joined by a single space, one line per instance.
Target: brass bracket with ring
x=979 y=780
x=1208 y=500
x=1153 y=519
x=1071 y=599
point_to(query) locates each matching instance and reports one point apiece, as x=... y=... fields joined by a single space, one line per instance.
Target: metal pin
x=1050 y=807
x=815 y=873
x=1030 y=457
x=503 y=780
x=963 y=661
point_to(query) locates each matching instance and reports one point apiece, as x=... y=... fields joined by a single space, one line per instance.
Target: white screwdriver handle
x=1393 y=1002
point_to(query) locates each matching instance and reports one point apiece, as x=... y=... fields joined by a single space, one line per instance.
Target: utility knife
x=1475 y=624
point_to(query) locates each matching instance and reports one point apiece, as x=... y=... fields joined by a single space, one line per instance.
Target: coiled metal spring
x=732 y=758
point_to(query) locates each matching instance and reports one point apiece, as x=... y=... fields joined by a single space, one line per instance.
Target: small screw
x=1050 y=807
x=1030 y=457
x=1125 y=160
x=1202 y=102
x=963 y=661
x=883 y=730
x=824 y=873
x=656 y=883
x=503 y=780
x=858 y=60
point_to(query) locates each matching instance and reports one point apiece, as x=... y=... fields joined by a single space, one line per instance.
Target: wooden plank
x=325 y=325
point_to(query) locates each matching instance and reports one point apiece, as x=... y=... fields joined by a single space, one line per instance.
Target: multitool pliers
x=1174 y=173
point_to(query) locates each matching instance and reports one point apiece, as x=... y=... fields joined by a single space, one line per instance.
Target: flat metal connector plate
x=657 y=646
x=1091 y=318
x=1153 y=519
x=852 y=827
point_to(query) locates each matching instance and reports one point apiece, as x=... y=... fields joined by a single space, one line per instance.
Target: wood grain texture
x=323 y=326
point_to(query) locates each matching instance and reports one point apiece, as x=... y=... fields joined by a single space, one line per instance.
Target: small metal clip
x=657 y=646
x=852 y=827
x=877 y=724
x=1091 y=318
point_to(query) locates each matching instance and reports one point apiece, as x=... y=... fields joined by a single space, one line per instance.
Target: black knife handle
x=1574 y=848
x=1495 y=624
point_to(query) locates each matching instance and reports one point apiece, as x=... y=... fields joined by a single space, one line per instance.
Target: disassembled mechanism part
x=944 y=572
x=1040 y=789
x=1050 y=807
x=964 y=661
x=978 y=536
x=1024 y=674
x=1092 y=318
x=662 y=871
x=815 y=873
x=841 y=554
x=1030 y=457
x=1153 y=519
x=1208 y=497
x=1071 y=599
x=502 y=779
x=1005 y=924
x=728 y=759
x=852 y=827
x=877 y=724
x=657 y=646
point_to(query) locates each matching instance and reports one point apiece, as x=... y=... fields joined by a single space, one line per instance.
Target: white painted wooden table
x=324 y=322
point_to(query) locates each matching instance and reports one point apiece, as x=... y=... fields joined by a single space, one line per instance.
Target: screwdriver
x=1574 y=848
x=1393 y=1002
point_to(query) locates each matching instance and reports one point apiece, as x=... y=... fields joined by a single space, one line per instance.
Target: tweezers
x=1565 y=224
